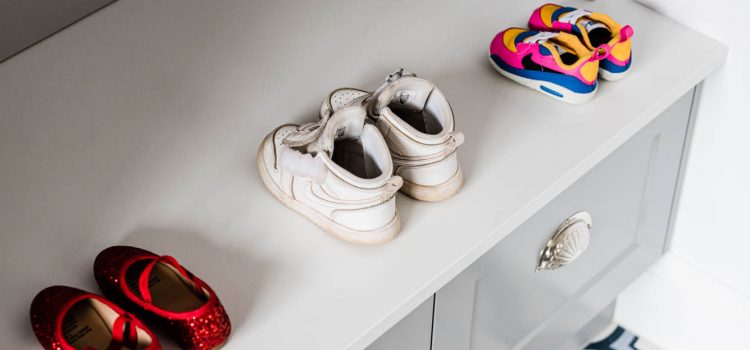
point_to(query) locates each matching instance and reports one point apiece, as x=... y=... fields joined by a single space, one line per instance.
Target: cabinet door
x=414 y=332
x=501 y=302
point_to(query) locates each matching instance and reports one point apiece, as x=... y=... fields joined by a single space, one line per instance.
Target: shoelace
x=120 y=339
x=143 y=280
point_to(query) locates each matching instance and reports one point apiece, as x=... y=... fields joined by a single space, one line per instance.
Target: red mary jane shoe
x=66 y=318
x=159 y=289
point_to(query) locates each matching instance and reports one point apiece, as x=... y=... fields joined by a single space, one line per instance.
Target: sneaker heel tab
x=390 y=187
x=399 y=73
x=626 y=33
x=395 y=183
x=458 y=138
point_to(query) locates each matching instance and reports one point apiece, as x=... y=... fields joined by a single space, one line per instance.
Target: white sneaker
x=417 y=123
x=336 y=172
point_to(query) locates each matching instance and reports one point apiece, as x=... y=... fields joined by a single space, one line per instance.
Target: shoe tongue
x=387 y=92
x=346 y=123
x=341 y=98
x=342 y=115
x=316 y=137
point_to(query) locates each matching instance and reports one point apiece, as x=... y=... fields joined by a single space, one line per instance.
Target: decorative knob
x=567 y=243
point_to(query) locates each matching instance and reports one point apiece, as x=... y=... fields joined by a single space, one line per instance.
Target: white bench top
x=139 y=125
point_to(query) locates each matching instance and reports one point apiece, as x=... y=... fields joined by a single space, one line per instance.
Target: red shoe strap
x=143 y=280
x=122 y=323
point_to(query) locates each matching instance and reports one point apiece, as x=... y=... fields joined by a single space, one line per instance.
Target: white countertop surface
x=139 y=125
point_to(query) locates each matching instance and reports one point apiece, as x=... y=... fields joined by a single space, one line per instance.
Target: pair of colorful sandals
x=564 y=52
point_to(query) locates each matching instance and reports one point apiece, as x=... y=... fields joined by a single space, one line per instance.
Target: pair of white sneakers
x=343 y=171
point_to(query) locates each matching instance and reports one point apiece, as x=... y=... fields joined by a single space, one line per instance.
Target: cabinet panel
x=414 y=332
x=500 y=302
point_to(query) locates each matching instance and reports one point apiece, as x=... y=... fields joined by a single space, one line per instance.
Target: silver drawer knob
x=569 y=241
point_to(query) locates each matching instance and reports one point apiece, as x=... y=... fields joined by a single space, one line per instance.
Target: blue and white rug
x=615 y=337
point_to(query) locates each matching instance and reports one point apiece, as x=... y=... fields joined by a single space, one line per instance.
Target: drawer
x=501 y=302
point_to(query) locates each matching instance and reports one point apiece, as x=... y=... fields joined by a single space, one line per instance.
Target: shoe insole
x=566 y=56
x=88 y=325
x=598 y=32
x=169 y=291
x=84 y=327
x=600 y=36
x=350 y=154
x=569 y=58
x=418 y=118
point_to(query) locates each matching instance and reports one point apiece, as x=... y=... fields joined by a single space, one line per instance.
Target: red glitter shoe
x=159 y=289
x=66 y=318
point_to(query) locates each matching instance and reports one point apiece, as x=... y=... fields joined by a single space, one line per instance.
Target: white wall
x=712 y=229
x=712 y=232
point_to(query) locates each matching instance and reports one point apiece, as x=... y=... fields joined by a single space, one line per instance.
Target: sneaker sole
x=610 y=76
x=567 y=95
x=381 y=235
x=434 y=193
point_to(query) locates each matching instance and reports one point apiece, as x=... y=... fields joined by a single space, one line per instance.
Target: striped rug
x=616 y=337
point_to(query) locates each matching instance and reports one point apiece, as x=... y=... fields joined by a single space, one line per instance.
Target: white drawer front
x=501 y=302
